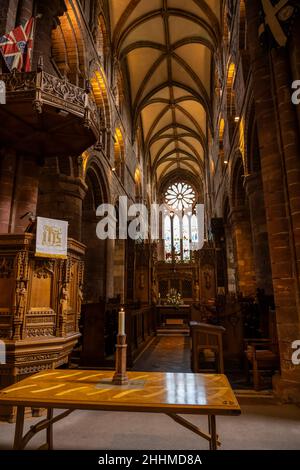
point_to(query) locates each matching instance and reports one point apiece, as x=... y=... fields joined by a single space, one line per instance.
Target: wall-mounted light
x=237 y=118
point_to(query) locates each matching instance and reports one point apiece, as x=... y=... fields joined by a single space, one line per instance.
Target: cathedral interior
x=192 y=106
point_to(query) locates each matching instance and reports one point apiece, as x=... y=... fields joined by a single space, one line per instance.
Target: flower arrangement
x=174 y=298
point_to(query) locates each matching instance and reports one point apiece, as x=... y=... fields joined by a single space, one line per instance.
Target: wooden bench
x=207 y=346
x=260 y=355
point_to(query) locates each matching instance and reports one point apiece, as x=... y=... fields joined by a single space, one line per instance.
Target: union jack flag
x=16 y=47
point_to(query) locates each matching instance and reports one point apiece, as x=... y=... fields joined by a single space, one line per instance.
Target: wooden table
x=173 y=394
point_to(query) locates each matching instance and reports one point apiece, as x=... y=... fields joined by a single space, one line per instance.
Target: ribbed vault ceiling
x=169 y=47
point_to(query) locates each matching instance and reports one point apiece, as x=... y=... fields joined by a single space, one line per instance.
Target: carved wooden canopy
x=44 y=113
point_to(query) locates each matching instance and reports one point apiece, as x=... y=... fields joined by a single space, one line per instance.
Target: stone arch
x=256 y=202
x=252 y=144
x=222 y=158
x=68 y=46
x=138 y=184
x=242 y=229
x=237 y=190
x=225 y=29
x=119 y=154
x=101 y=96
x=101 y=39
x=96 y=249
x=118 y=89
x=230 y=90
x=119 y=261
x=243 y=27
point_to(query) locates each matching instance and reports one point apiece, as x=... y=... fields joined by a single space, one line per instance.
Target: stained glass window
x=194 y=231
x=167 y=236
x=180 y=225
x=177 y=237
x=186 y=237
x=180 y=196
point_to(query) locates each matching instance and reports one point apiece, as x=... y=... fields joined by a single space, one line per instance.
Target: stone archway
x=256 y=199
x=241 y=229
x=96 y=249
x=119 y=263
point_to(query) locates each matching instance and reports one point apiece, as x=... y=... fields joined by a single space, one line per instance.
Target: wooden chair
x=261 y=355
x=207 y=347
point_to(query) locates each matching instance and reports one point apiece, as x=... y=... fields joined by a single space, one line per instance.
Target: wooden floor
x=166 y=354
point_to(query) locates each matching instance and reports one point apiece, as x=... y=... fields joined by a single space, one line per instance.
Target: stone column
x=8 y=13
x=110 y=244
x=261 y=251
x=7 y=171
x=60 y=197
x=25 y=192
x=49 y=10
x=119 y=269
x=294 y=52
x=242 y=238
x=25 y=10
x=278 y=135
x=95 y=258
x=18 y=190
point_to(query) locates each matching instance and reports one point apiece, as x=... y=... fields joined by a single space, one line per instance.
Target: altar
x=168 y=313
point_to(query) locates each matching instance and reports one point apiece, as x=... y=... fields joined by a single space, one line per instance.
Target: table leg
x=212 y=426
x=19 y=428
x=50 y=429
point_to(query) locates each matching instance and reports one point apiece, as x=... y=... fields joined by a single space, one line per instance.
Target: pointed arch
x=68 y=45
